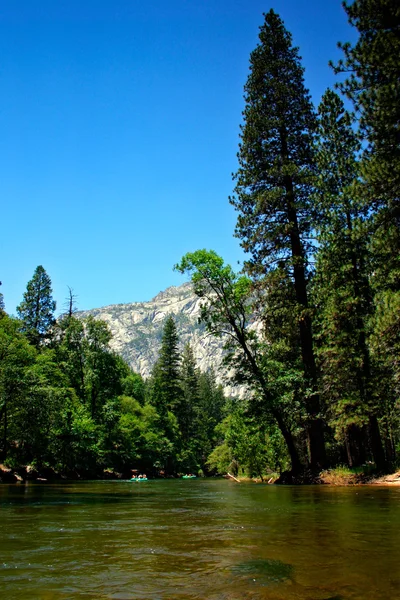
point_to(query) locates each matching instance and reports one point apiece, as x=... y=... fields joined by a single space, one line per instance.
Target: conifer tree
x=187 y=407
x=165 y=390
x=36 y=311
x=274 y=185
x=374 y=88
x=342 y=291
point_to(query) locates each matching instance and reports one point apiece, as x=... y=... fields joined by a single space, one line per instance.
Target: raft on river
x=188 y=476
x=138 y=478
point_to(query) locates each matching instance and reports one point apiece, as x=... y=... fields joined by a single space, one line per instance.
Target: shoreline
x=332 y=477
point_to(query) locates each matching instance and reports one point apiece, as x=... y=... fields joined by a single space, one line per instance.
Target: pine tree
x=273 y=186
x=165 y=391
x=374 y=88
x=187 y=407
x=342 y=291
x=36 y=311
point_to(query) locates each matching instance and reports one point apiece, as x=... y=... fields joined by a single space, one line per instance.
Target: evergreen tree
x=342 y=291
x=273 y=186
x=36 y=311
x=212 y=409
x=187 y=407
x=166 y=386
x=374 y=88
x=164 y=393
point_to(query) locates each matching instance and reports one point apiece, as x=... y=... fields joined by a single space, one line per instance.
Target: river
x=198 y=539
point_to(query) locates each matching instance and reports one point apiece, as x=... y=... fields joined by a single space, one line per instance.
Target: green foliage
x=36 y=311
x=274 y=185
x=249 y=447
x=341 y=287
x=228 y=309
x=374 y=88
x=134 y=385
x=273 y=182
x=166 y=391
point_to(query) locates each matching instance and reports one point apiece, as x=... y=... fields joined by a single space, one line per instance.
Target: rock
x=137 y=330
x=8 y=476
x=31 y=472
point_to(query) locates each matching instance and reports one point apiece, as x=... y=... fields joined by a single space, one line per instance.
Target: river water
x=198 y=539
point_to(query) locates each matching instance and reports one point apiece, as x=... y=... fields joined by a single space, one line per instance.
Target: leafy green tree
x=248 y=447
x=274 y=186
x=95 y=372
x=16 y=355
x=227 y=311
x=103 y=368
x=133 y=385
x=36 y=311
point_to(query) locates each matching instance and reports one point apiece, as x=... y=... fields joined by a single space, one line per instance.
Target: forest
x=311 y=324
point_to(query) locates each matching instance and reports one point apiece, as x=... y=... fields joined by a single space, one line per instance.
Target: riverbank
x=30 y=473
x=343 y=476
x=340 y=476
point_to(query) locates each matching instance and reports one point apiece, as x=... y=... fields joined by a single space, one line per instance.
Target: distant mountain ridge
x=137 y=330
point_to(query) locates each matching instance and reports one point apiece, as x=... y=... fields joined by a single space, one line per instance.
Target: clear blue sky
x=119 y=125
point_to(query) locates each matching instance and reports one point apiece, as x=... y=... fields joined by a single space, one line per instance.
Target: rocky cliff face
x=137 y=330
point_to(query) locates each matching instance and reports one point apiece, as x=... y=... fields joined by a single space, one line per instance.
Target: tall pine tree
x=273 y=187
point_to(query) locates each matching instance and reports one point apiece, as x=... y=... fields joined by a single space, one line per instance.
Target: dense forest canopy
x=311 y=325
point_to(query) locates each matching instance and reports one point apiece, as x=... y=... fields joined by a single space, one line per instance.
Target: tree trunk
x=376 y=444
x=297 y=467
x=315 y=431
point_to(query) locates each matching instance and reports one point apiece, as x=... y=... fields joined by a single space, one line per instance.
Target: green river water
x=203 y=539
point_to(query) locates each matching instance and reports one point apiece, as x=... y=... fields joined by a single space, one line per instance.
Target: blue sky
x=119 y=128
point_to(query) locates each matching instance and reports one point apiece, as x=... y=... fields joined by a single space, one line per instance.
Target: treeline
x=67 y=402
x=313 y=320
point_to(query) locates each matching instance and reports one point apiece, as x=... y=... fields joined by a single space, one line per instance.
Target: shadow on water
x=264 y=572
x=35 y=495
